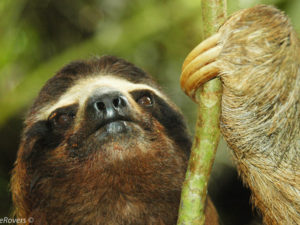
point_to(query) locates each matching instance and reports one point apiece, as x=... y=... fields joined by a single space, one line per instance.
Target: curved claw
x=199 y=66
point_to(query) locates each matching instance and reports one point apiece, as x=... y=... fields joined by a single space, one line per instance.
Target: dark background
x=37 y=37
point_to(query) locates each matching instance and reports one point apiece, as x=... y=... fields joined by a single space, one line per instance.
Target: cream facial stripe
x=84 y=88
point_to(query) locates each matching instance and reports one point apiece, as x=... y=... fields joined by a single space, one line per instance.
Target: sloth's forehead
x=85 y=87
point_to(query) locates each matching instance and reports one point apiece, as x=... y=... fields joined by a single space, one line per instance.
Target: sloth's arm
x=256 y=54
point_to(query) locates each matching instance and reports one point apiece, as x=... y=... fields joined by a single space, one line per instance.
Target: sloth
x=102 y=145
x=256 y=54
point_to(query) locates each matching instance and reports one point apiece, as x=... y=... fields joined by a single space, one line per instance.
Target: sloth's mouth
x=116 y=126
x=113 y=129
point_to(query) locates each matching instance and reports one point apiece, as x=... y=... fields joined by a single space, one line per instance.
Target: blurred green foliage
x=39 y=37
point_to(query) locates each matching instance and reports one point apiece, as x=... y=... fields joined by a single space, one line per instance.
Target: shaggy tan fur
x=259 y=68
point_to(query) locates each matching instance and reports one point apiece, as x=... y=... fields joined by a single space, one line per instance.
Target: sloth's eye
x=62 y=120
x=145 y=100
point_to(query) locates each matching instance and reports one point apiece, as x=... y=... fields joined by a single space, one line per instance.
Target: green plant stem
x=207 y=132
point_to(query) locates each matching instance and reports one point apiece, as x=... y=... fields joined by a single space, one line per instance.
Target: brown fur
x=128 y=179
x=124 y=187
x=211 y=214
x=260 y=72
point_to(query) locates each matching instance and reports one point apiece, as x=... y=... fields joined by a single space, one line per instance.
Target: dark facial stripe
x=171 y=119
x=174 y=124
x=47 y=134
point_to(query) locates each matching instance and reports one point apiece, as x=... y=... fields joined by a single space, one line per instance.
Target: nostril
x=100 y=106
x=119 y=102
x=116 y=102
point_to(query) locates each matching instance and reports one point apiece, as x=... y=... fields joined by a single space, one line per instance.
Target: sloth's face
x=100 y=130
x=110 y=116
x=108 y=109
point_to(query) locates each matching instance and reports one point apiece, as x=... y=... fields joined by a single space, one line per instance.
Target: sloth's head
x=102 y=145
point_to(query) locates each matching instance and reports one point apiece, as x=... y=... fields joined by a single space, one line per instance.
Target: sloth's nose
x=108 y=105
